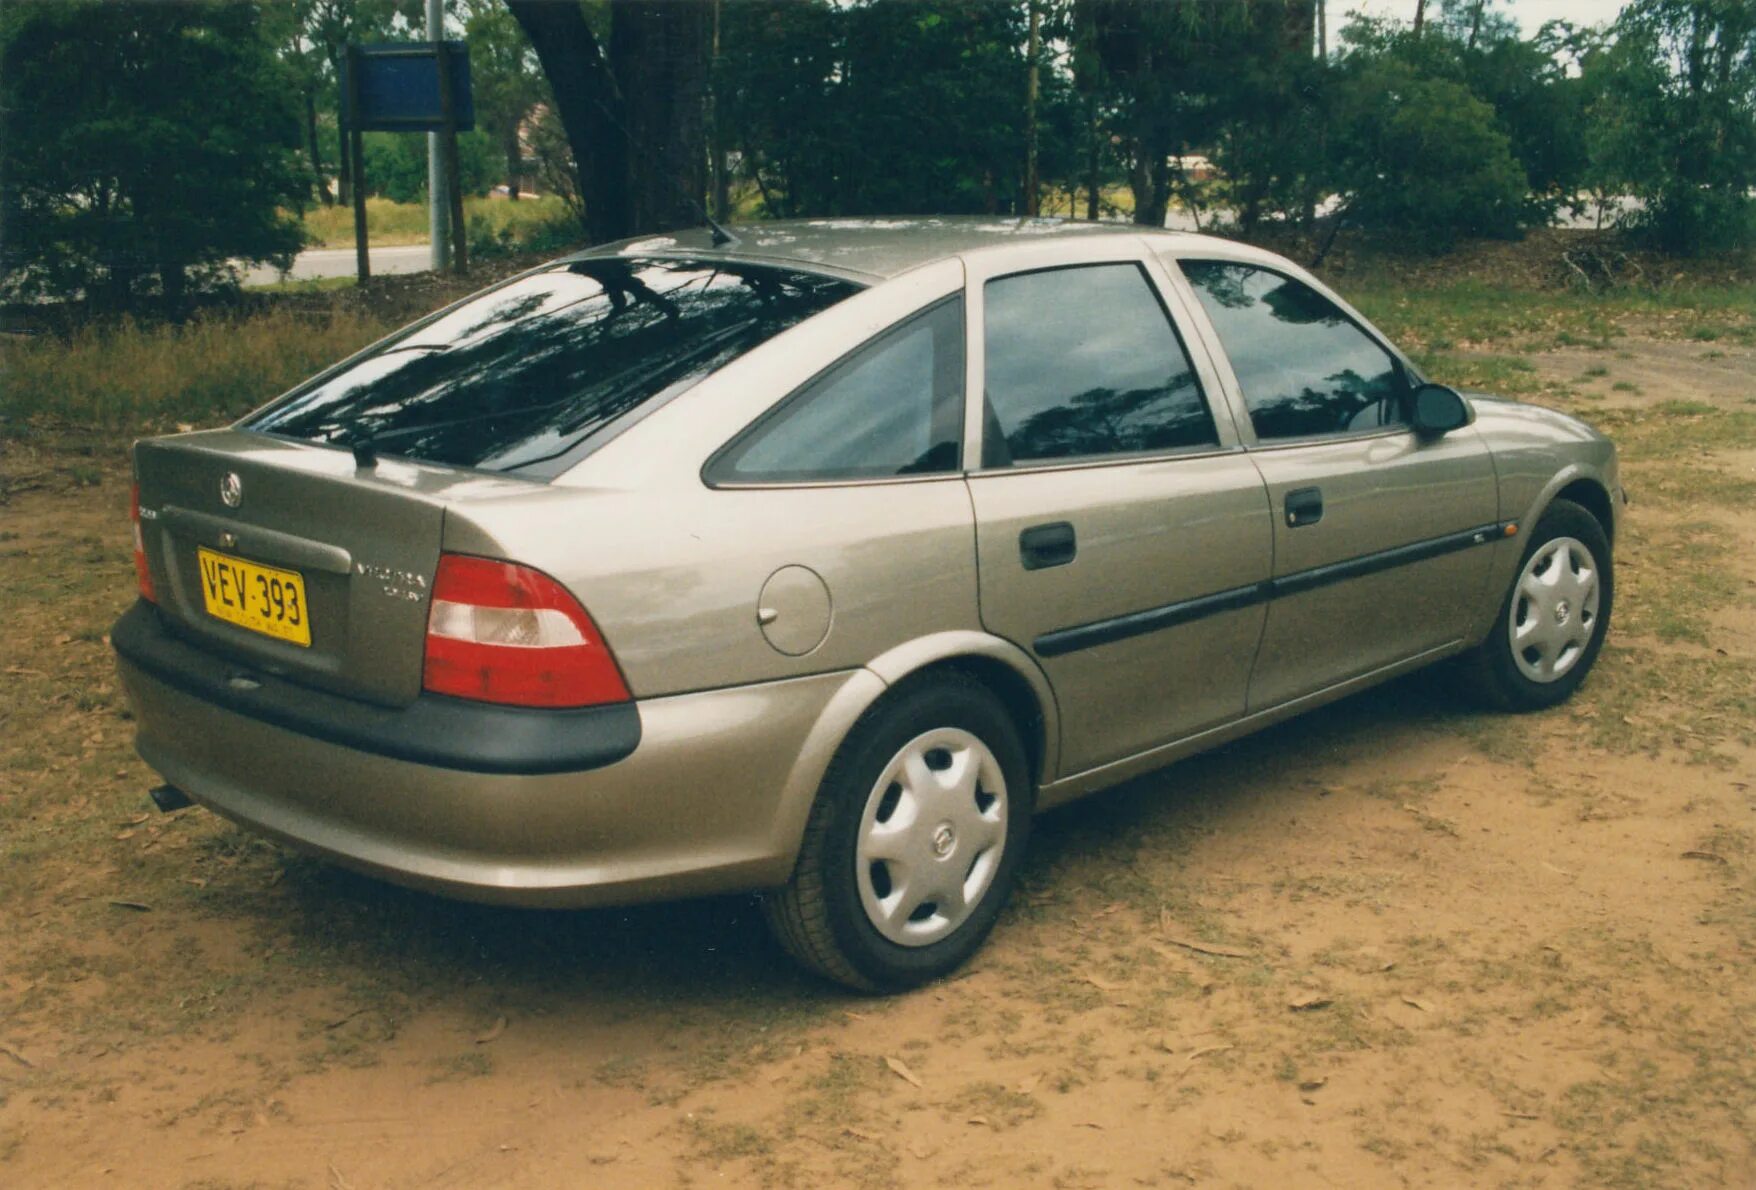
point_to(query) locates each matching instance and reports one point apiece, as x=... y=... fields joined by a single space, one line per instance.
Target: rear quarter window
x=519 y=378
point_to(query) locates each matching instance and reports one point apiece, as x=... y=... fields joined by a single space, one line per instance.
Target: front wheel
x=912 y=844
x=1553 y=620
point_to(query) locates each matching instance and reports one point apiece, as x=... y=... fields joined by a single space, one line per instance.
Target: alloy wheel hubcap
x=931 y=836
x=1554 y=610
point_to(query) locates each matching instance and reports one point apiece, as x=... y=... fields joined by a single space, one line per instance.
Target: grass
x=390 y=222
x=136 y=377
x=1475 y=315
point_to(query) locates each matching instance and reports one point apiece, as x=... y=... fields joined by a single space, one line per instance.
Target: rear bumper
x=449 y=733
x=711 y=797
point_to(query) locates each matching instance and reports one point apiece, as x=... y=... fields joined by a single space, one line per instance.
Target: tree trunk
x=1094 y=150
x=1475 y=24
x=634 y=116
x=514 y=159
x=589 y=108
x=659 y=57
x=173 y=283
x=716 y=131
x=1420 y=17
x=1033 y=48
x=314 y=149
x=1150 y=181
x=1322 y=31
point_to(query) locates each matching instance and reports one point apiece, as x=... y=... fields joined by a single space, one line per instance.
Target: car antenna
x=721 y=236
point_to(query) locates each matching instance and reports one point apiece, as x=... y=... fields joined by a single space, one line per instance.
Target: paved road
x=339 y=262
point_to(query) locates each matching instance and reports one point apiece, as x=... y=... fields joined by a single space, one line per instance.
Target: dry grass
x=137 y=378
x=390 y=222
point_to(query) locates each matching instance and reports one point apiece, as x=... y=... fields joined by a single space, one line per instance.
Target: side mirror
x=1435 y=409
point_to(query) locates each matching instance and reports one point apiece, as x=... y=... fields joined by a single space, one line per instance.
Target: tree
x=161 y=141
x=1167 y=64
x=1675 y=122
x=324 y=30
x=1421 y=155
x=507 y=82
x=632 y=108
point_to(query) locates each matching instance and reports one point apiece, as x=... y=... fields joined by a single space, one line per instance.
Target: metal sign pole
x=438 y=177
x=357 y=159
x=448 y=118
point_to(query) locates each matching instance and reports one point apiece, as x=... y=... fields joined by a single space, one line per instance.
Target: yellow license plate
x=261 y=598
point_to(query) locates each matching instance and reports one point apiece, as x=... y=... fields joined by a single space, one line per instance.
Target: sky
x=1530 y=14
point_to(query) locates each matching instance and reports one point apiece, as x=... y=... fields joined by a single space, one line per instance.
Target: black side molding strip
x=1103 y=632
x=451 y=733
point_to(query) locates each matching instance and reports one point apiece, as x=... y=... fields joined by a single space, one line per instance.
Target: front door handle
x=1042 y=546
x=1304 y=507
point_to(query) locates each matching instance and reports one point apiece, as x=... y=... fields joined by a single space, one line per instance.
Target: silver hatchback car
x=818 y=560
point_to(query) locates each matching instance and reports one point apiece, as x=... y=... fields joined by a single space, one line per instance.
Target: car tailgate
x=364 y=543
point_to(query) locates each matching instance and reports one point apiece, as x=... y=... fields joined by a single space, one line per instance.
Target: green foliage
x=1422 y=155
x=158 y=145
x=1674 y=123
x=396 y=164
x=505 y=78
x=875 y=107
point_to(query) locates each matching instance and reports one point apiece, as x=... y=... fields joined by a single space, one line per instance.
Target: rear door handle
x=1042 y=546
x=1304 y=507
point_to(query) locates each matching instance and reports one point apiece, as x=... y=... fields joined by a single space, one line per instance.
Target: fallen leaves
x=1414 y=1002
x=900 y=1069
x=1309 y=1002
x=136 y=906
x=1709 y=856
x=494 y=1031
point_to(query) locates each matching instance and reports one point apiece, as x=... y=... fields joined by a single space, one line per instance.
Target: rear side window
x=1306 y=369
x=1084 y=362
x=518 y=378
x=893 y=407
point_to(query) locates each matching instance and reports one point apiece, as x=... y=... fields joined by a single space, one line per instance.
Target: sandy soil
x=1394 y=943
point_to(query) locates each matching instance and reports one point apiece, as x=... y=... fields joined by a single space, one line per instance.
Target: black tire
x=818 y=917
x=1491 y=670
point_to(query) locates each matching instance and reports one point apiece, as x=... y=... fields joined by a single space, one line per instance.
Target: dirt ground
x=1394 y=943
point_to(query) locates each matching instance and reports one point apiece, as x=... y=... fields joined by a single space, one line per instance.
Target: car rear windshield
x=519 y=378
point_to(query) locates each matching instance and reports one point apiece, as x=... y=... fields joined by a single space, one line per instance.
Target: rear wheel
x=912 y=844
x=1553 y=619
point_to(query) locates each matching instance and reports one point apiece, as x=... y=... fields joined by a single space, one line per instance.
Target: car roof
x=874 y=249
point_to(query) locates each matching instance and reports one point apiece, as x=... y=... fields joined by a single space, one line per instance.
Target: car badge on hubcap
x=231 y=490
x=944 y=839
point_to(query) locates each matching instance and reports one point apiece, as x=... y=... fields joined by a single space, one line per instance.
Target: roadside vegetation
x=530 y=224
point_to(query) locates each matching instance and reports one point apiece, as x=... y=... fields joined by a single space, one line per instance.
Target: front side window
x=1083 y=362
x=1306 y=369
x=518 y=378
x=894 y=407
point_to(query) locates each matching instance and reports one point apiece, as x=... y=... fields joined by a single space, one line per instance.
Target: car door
x=1375 y=528
x=1121 y=532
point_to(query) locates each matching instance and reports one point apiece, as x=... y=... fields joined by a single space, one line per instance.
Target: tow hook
x=169 y=799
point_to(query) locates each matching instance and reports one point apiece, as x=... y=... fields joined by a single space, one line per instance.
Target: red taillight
x=141 y=572
x=504 y=633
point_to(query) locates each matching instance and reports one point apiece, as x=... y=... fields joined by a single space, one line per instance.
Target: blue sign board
x=395 y=87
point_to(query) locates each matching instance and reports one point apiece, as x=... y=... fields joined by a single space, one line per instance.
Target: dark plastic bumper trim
x=451 y=733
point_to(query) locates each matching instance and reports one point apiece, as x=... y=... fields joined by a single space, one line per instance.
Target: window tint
x=895 y=407
x=517 y=378
x=1084 y=361
x=1305 y=368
